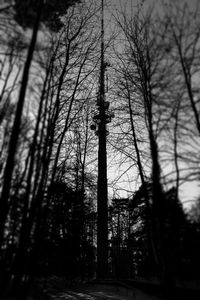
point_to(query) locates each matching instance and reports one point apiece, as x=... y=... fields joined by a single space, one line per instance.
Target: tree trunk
x=4 y=205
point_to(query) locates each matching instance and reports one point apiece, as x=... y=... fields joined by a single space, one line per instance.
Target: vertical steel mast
x=101 y=118
x=102 y=188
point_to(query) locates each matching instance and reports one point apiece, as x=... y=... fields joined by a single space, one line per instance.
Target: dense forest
x=49 y=80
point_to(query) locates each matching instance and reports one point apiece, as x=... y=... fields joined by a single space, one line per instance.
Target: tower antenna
x=101 y=118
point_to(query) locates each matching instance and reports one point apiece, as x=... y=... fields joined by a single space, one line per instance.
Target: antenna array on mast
x=102 y=113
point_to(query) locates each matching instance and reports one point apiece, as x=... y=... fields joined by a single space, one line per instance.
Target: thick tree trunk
x=4 y=201
x=4 y=204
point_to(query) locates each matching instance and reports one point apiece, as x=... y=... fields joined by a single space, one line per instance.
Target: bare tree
x=144 y=74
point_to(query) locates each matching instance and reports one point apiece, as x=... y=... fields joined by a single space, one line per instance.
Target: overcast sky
x=131 y=4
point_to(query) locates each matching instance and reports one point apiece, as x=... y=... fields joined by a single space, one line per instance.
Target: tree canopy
x=52 y=11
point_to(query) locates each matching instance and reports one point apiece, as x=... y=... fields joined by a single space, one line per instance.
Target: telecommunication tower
x=101 y=118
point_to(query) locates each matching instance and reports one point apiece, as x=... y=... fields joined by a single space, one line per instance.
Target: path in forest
x=57 y=288
x=97 y=292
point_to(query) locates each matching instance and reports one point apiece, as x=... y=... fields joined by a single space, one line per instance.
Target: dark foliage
x=139 y=239
x=62 y=246
x=52 y=11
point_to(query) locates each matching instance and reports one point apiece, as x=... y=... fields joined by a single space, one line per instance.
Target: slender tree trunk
x=32 y=153
x=159 y=219
x=151 y=244
x=65 y=127
x=176 y=151
x=187 y=77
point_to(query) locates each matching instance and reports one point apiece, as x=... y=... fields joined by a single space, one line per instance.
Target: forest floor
x=57 y=288
x=61 y=288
